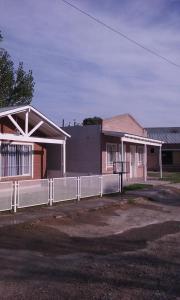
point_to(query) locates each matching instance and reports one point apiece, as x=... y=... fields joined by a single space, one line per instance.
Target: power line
x=121 y=34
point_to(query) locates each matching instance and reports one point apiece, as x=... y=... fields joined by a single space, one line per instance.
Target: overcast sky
x=81 y=69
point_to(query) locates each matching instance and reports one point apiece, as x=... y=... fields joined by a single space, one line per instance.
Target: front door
x=132 y=161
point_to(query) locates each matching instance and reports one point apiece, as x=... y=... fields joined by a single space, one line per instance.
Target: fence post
x=78 y=188
x=120 y=182
x=51 y=186
x=15 y=187
x=101 y=186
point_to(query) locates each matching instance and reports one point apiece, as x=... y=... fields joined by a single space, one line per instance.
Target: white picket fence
x=28 y=193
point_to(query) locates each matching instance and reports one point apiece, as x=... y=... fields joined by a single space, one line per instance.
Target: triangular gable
x=34 y=114
x=123 y=123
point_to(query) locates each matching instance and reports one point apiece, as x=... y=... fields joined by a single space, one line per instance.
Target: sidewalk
x=59 y=210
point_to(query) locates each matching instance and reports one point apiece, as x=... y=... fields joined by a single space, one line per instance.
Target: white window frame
x=140 y=155
x=108 y=165
x=31 y=174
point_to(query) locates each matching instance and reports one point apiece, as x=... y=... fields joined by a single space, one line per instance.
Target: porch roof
x=48 y=127
x=26 y=139
x=34 y=121
x=136 y=139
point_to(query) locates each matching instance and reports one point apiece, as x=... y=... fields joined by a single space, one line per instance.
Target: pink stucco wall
x=124 y=123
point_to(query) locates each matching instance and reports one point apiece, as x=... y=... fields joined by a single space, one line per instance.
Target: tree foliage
x=92 y=121
x=16 y=86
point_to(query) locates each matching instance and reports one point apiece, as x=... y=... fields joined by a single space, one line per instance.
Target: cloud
x=81 y=69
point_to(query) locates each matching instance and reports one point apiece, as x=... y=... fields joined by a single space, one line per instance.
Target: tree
x=92 y=121
x=16 y=86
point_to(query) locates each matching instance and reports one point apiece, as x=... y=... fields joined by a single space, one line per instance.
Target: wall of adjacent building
x=83 y=155
x=153 y=158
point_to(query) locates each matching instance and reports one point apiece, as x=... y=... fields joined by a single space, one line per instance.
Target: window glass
x=111 y=154
x=16 y=159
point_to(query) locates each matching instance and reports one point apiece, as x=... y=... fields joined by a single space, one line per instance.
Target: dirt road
x=126 y=251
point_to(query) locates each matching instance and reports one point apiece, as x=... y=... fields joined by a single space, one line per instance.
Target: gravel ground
x=125 y=251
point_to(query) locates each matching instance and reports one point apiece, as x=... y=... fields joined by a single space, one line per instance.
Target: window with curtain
x=16 y=160
x=111 y=153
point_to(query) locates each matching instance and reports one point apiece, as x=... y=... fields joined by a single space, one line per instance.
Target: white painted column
x=145 y=162
x=122 y=159
x=160 y=161
x=122 y=150
x=26 y=122
x=0 y=160
x=64 y=158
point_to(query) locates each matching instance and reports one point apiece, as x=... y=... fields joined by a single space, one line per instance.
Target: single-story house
x=31 y=146
x=170 y=149
x=96 y=149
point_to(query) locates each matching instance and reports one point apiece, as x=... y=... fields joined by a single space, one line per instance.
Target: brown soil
x=41 y=262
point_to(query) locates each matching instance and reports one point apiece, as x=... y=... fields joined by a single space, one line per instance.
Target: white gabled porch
x=31 y=127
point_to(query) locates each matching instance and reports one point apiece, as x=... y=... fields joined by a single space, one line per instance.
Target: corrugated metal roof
x=169 y=135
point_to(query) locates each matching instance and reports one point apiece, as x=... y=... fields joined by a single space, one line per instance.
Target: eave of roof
x=17 y=109
x=132 y=136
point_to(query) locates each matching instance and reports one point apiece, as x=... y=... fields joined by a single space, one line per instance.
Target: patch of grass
x=137 y=186
x=173 y=177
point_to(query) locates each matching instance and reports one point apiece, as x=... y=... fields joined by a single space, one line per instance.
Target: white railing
x=32 y=192
x=6 y=196
x=90 y=186
x=64 y=189
x=26 y=193
x=111 y=184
